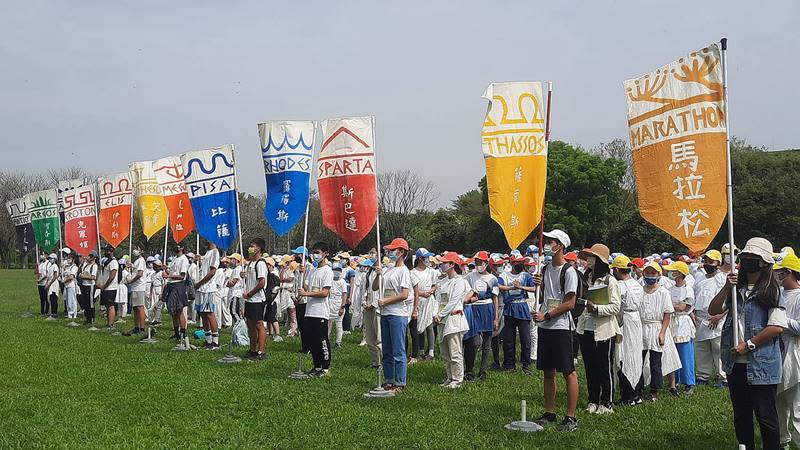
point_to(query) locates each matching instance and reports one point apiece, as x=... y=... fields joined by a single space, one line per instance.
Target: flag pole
x=547 y=144
x=130 y=228
x=378 y=214
x=97 y=214
x=729 y=179
x=166 y=238
x=238 y=211
x=305 y=222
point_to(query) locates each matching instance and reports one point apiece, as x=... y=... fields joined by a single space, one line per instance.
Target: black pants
x=53 y=304
x=300 y=311
x=483 y=342
x=347 y=319
x=415 y=338
x=496 y=340
x=86 y=299
x=317 y=331
x=509 y=342
x=43 y=305
x=747 y=399
x=626 y=391
x=597 y=359
x=656 y=378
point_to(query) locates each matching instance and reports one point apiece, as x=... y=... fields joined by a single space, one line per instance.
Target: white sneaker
x=454 y=385
x=445 y=383
x=591 y=408
x=362 y=343
x=603 y=411
x=277 y=338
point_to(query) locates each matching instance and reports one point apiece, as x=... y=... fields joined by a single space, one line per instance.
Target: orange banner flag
x=676 y=116
x=169 y=174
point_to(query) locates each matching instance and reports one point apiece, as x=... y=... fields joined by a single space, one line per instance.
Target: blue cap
x=532 y=250
x=300 y=251
x=665 y=255
x=366 y=263
x=423 y=253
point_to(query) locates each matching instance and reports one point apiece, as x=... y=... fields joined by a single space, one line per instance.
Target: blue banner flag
x=211 y=185
x=287 y=150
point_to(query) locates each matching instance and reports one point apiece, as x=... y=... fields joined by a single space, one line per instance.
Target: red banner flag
x=346 y=176
x=116 y=199
x=80 y=219
x=169 y=175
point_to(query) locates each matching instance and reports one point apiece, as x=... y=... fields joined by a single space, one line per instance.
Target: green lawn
x=64 y=387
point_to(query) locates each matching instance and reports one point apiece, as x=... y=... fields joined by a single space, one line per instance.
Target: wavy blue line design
x=199 y=162
x=271 y=144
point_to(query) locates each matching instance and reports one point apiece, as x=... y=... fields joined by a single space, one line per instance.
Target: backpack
x=581 y=291
x=272 y=285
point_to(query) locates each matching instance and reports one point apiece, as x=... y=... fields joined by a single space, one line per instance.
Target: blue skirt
x=480 y=319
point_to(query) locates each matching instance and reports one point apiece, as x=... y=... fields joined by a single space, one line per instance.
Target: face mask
x=317 y=257
x=781 y=276
x=393 y=255
x=481 y=268
x=671 y=276
x=136 y=253
x=445 y=267
x=591 y=261
x=251 y=251
x=650 y=280
x=709 y=268
x=750 y=265
x=548 y=250
x=727 y=259
x=337 y=274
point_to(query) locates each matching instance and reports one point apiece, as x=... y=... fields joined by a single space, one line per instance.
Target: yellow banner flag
x=515 y=151
x=152 y=208
x=676 y=116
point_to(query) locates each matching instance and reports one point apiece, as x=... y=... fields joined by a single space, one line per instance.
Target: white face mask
x=445 y=267
x=137 y=252
x=547 y=249
x=317 y=257
x=481 y=268
x=727 y=259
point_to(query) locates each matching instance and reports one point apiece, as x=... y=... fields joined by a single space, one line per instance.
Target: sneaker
x=445 y=383
x=412 y=361
x=702 y=382
x=345 y=332
x=495 y=366
x=568 y=424
x=636 y=401
x=212 y=346
x=256 y=356
x=319 y=373
x=673 y=392
x=398 y=389
x=338 y=345
x=174 y=337
x=453 y=385
x=483 y=376
x=469 y=377
x=545 y=419
x=721 y=384
x=155 y=323
x=362 y=343
x=527 y=372
x=604 y=410
x=652 y=397
x=689 y=390
x=591 y=408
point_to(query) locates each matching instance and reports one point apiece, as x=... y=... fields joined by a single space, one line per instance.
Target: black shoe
x=673 y=392
x=544 y=419
x=495 y=366
x=483 y=376
x=469 y=377
x=689 y=390
x=527 y=371
x=155 y=323
x=256 y=356
x=174 y=337
x=212 y=346
x=568 y=424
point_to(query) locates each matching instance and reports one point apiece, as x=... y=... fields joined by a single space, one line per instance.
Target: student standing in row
x=205 y=303
x=629 y=353
x=255 y=280
x=174 y=294
x=70 y=285
x=656 y=312
x=317 y=289
x=450 y=320
x=517 y=315
x=787 y=272
x=136 y=287
x=683 y=328
x=485 y=318
x=709 y=327
x=88 y=276
x=108 y=291
x=336 y=305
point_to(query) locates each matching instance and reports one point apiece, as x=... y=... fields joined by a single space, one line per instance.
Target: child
x=336 y=304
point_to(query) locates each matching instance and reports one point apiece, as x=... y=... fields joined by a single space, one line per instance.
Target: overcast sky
x=101 y=84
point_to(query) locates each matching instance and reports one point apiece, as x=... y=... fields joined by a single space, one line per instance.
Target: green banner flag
x=43 y=206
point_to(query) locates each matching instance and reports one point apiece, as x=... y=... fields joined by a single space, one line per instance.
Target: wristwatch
x=547 y=315
x=750 y=345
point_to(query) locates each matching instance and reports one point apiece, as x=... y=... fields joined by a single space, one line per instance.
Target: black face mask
x=709 y=268
x=298 y=259
x=750 y=265
x=519 y=268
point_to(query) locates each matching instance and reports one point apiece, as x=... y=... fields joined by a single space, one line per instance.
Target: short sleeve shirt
x=255 y=270
x=554 y=296
x=320 y=278
x=395 y=279
x=112 y=265
x=209 y=260
x=138 y=285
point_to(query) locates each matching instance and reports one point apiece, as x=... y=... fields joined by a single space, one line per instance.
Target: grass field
x=65 y=387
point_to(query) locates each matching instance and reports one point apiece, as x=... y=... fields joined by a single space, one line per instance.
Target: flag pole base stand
x=299 y=374
x=149 y=339
x=230 y=358
x=50 y=318
x=379 y=392
x=524 y=426
x=27 y=313
x=184 y=346
x=119 y=322
x=93 y=328
x=73 y=324
x=116 y=333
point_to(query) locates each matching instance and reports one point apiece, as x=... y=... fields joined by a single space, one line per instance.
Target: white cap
x=53 y=256
x=66 y=250
x=560 y=236
x=761 y=248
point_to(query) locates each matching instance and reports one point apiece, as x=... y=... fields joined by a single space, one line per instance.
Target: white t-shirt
x=72 y=270
x=480 y=284
x=255 y=270
x=319 y=279
x=218 y=282
x=91 y=270
x=705 y=289
x=338 y=289
x=395 y=279
x=156 y=284
x=140 y=284
x=554 y=296
x=236 y=290
x=654 y=306
x=209 y=260
x=112 y=265
x=52 y=271
x=179 y=265
x=42 y=280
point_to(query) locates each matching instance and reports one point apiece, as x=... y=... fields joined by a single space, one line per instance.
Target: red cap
x=571 y=256
x=530 y=262
x=497 y=261
x=482 y=255
x=638 y=262
x=469 y=261
x=397 y=243
x=684 y=258
x=450 y=257
x=516 y=258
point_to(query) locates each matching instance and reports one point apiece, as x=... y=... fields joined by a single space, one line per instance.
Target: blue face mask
x=393 y=255
x=650 y=280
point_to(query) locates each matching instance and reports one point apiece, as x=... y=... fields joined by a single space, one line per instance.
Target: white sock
x=215 y=338
x=208 y=337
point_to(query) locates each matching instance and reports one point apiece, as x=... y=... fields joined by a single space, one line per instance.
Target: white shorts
x=137 y=298
x=204 y=302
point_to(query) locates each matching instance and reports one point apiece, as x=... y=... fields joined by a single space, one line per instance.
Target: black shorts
x=254 y=311
x=271 y=313
x=554 y=350
x=108 y=298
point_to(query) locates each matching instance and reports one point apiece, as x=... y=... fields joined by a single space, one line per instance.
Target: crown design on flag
x=697 y=69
